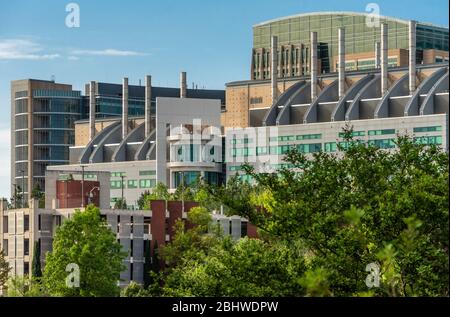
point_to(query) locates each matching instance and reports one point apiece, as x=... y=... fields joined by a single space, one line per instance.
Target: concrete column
x=313 y=65
x=148 y=105
x=183 y=87
x=299 y=57
x=124 y=107
x=274 y=68
x=384 y=58
x=377 y=54
x=289 y=61
x=341 y=57
x=412 y=56
x=91 y=110
x=261 y=64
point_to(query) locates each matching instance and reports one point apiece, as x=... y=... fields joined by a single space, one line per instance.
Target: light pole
x=82 y=185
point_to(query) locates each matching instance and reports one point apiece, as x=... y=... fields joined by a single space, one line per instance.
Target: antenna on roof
x=139 y=82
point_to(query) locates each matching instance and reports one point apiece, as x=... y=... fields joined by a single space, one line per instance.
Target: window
x=147 y=224
x=256 y=100
x=117 y=184
x=382 y=132
x=26 y=268
x=39 y=222
x=241 y=141
x=26 y=223
x=241 y=152
x=427 y=140
x=147 y=173
x=354 y=133
x=26 y=247
x=330 y=147
x=262 y=150
x=309 y=148
x=131 y=268
x=309 y=136
x=118 y=174
x=427 y=129
x=58 y=221
x=132 y=183
x=383 y=143
x=147 y=183
x=282 y=138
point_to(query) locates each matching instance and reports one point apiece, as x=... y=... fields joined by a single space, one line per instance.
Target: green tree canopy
x=86 y=241
x=4 y=269
x=362 y=205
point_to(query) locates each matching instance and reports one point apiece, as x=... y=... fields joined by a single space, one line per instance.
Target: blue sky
x=210 y=40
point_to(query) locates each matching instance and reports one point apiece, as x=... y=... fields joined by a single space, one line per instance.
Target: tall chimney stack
x=274 y=68
x=183 y=87
x=384 y=58
x=377 y=54
x=124 y=107
x=341 y=62
x=91 y=110
x=148 y=105
x=313 y=66
x=412 y=56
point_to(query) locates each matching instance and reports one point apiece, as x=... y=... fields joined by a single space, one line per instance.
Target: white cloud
x=73 y=58
x=108 y=52
x=17 y=49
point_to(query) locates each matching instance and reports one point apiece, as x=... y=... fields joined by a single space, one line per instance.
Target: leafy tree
x=134 y=290
x=120 y=203
x=36 y=266
x=22 y=286
x=38 y=194
x=4 y=269
x=203 y=262
x=142 y=199
x=16 y=200
x=362 y=205
x=86 y=241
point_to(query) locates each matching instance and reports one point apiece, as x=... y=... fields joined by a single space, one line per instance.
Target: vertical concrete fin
x=377 y=54
x=341 y=62
x=384 y=58
x=148 y=105
x=124 y=107
x=313 y=66
x=412 y=56
x=183 y=87
x=274 y=68
x=92 y=110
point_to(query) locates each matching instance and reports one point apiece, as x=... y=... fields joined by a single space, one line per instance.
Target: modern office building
x=42 y=129
x=186 y=143
x=43 y=114
x=265 y=118
x=362 y=34
x=292 y=43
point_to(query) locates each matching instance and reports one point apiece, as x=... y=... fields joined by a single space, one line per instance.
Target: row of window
x=132 y=183
x=277 y=150
x=296 y=137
